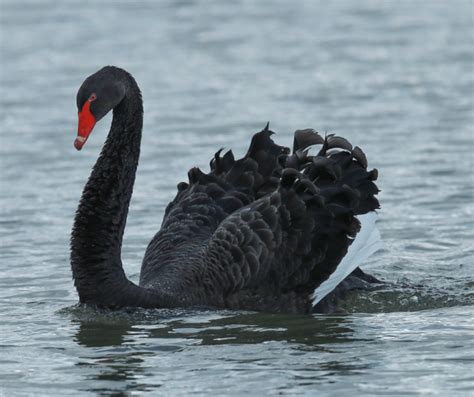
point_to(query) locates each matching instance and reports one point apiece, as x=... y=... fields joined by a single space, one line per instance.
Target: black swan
x=273 y=231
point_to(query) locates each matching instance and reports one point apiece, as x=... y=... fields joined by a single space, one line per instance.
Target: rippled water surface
x=396 y=78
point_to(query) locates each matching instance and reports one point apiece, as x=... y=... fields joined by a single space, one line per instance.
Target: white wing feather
x=366 y=243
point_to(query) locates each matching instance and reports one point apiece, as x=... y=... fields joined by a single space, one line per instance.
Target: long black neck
x=100 y=220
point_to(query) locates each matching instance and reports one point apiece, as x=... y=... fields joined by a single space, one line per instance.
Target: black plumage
x=258 y=233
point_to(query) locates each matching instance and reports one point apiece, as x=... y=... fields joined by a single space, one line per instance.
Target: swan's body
x=259 y=233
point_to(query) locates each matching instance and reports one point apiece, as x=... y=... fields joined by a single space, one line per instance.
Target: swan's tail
x=366 y=243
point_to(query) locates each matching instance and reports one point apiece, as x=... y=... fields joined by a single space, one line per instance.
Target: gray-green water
x=396 y=78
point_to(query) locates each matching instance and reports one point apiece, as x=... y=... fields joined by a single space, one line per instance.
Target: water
x=395 y=78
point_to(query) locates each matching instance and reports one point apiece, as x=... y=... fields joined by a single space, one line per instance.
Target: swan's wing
x=278 y=245
x=271 y=223
x=296 y=238
x=246 y=244
x=206 y=200
x=265 y=247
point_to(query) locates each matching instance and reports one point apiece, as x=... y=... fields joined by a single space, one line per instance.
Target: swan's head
x=98 y=95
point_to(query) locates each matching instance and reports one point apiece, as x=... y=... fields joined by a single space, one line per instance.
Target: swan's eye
x=93 y=97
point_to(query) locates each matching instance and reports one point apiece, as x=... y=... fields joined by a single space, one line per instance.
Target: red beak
x=86 y=125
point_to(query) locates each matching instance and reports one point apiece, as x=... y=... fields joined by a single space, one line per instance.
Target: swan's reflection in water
x=138 y=352
x=111 y=365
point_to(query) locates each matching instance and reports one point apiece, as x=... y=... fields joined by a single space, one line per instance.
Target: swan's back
x=262 y=232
